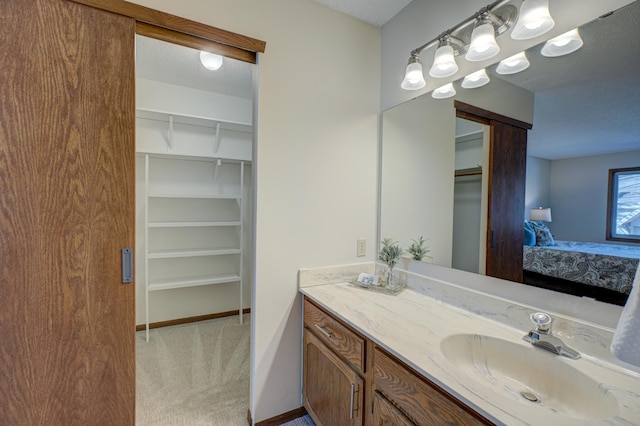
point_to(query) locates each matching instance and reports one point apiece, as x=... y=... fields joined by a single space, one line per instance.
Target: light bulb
x=413 y=77
x=513 y=64
x=444 y=92
x=210 y=61
x=483 y=43
x=444 y=63
x=534 y=20
x=564 y=44
x=476 y=79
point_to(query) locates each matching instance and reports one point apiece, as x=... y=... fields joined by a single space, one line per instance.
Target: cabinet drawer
x=335 y=335
x=419 y=400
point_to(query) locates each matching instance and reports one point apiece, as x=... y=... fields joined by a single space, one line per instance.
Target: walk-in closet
x=194 y=230
x=469 y=186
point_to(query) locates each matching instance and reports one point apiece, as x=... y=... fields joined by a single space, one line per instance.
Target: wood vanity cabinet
x=348 y=380
x=386 y=414
x=417 y=399
x=333 y=363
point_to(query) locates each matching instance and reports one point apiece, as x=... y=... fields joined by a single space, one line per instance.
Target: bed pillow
x=529 y=234
x=543 y=236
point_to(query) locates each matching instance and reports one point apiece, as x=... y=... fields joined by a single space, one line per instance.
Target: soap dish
x=397 y=289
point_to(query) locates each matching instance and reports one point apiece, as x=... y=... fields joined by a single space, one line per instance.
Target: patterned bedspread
x=602 y=265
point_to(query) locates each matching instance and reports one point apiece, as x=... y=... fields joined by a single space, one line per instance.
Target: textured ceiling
x=588 y=102
x=174 y=64
x=376 y=12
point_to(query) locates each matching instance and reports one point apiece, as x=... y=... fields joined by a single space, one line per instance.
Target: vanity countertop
x=412 y=325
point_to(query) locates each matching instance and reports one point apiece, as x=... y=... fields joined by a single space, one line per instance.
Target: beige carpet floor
x=194 y=374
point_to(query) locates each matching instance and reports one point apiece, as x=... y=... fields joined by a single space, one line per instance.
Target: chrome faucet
x=542 y=337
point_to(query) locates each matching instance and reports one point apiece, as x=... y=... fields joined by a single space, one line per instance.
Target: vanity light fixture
x=476 y=79
x=483 y=42
x=564 y=44
x=444 y=92
x=210 y=61
x=534 y=20
x=444 y=63
x=474 y=37
x=513 y=64
x=413 y=77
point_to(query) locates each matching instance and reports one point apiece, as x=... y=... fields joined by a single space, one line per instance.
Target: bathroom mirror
x=582 y=104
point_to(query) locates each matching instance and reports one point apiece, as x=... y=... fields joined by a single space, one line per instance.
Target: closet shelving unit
x=192 y=237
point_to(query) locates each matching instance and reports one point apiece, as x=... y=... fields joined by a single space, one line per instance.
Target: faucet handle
x=542 y=320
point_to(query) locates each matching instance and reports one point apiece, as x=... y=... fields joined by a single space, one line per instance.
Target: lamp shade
x=483 y=43
x=513 y=64
x=476 y=79
x=444 y=92
x=534 y=20
x=444 y=63
x=413 y=77
x=210 y=61
x=564 y=44
x=541 y=214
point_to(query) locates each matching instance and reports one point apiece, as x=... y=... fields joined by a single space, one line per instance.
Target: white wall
x=538 y=185
x=317 y=112
x=578 y=196
x=417 y=175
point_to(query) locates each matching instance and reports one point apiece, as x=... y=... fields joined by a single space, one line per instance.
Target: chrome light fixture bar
x=495 y=19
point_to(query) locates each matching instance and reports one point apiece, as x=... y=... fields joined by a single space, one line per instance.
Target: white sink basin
x=530 y=375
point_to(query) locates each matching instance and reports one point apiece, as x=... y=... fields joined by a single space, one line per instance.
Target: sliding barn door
x=505 y=237
x=66 y=210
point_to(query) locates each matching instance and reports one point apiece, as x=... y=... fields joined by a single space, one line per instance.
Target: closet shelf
x=195 y=196
x=192 y=120
x=469 y=172
x=192 y=224
x=167 y=284
x=175 y=253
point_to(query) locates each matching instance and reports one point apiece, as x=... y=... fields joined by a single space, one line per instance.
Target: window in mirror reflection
x=624 y=205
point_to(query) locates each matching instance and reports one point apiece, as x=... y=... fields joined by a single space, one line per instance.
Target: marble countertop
x=412 y=326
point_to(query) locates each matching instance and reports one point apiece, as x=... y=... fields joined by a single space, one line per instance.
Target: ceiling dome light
x=413 y=77
x=476 y=79
x=210 y=61
x=483 y=43
x=534 y=20
x=444 y=64
x=513 y=64
x=444 y=92
x=564 y=44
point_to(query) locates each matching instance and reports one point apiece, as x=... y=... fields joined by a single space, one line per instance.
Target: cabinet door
x=67 y=150
x=332 y=392
x=386 y=414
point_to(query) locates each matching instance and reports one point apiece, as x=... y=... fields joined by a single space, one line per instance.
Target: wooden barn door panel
x=505 y=236
x=67 y=156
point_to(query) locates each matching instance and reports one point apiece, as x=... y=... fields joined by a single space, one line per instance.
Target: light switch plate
x=362 y=247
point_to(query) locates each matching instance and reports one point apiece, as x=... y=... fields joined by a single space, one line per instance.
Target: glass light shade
x=541 y=214
x=444 y=92
x=513 y=64
x=444 y=63
x=564 y=44
x=483 y=43
x=534 y=20
x=413 y=78
x=476 y=79
x=210 y=61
